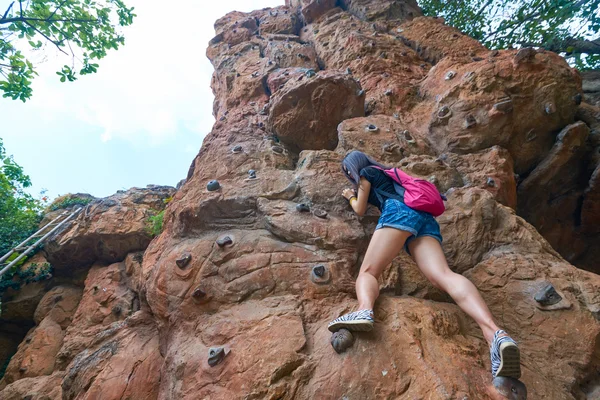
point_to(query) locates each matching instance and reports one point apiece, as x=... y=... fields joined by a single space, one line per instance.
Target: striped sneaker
x=361 y=320
x=505 y=356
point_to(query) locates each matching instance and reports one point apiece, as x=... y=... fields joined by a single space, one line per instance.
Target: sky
x=140 y=120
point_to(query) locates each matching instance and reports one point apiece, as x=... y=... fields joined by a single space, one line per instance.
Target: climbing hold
x=470 y=121
x=310 y=73
x=320 y=213
x=490 y=182
x=301 y=207
x=281 y=86
x=320 y=274
x=550 y=108
x=236 y=149
x=371 y=128
x=510 y=388
x=450 y=75
x=222 y=118
x=476 y=59
x=277 y=149
x=408 y=137
x=116 y=310
x=530 y=136
x=215 y=355
x=504 y=106
x=319 y=270
x=255 y=74
x=269 y=62
x=547 y=296
x=360 y=93
x=383 y=54
x=444 y=112
x=251 y=174
x=388 y=92
x=494 y=53
x=213 y=185
x=396 y=116
x=184 y=260
x=469 y=75
x=342 y=340
x=578 y=98
x=198 y=293
x=348 y=71
x=224 y=241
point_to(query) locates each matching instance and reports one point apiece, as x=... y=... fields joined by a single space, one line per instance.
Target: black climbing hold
x=490 y=182
x=301 y=207
x=408 y=137
x=470 y=121
x=504 y=106
x=450 y=75
x=224 y=241
x=183 y=261
x=116 y=310
x=263 y=112
x=255 y=74
x=310 y=73
x=213 y=185
x=320 y=213
x=215 y=355
x=550 y=108
x=510 y=388
x=444 y=112
x=277 y=149
x=348 y=71
x=222 y=118
x=547 y=296
x=396 y=116
x=198 y=293
x=281 y=86
x=388 y=92
x=236 y=149
x=578 y=98
x=530 y=136
x=319 y=270
x=371 y=128
x=342 y=340
x=360 y=93
x=477 y=59
x=252 y=174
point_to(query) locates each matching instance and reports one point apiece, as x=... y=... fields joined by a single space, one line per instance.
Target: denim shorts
x=398 y=215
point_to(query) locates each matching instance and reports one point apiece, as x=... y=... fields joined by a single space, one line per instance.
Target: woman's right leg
x=384 y=246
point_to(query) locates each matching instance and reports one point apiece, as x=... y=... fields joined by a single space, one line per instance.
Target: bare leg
x=384 y=246
x=431 y=260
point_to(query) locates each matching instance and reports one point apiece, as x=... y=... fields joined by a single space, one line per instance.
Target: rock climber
x=418 y=232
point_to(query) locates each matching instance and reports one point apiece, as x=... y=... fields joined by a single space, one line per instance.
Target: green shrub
x=155 y=224
x=69 y=200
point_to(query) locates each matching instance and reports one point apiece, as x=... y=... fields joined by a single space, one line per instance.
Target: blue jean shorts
x=398 y=215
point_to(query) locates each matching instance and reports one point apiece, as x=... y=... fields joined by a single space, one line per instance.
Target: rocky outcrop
x=259 y=251
x=108 y=229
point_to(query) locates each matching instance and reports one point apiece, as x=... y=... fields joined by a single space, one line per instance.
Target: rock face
x=232 y=300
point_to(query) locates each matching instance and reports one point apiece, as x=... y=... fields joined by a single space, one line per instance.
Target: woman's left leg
x=430 y=258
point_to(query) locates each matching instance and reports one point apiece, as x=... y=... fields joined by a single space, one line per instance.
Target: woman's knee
x=442 y=280
x=370 y=269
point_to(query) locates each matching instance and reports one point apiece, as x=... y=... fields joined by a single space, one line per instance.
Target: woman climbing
x=418 y=232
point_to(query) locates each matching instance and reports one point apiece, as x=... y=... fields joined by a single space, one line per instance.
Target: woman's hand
x=348 y=193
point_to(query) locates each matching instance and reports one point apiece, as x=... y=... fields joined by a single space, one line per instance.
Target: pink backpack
x=419 y=194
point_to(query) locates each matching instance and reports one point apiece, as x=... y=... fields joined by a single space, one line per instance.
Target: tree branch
x=26 y=19
x=482 y=9
x=570 y=45
x=56 y=43
x=7 y=10
x=57 y=8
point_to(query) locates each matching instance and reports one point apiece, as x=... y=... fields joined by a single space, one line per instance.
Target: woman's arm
x=359 y=203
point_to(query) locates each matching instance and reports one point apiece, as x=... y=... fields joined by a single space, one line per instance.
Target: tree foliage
x=570 y=28
x=84 y=30
x=20 y=213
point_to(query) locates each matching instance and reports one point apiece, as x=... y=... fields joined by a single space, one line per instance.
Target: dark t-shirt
x=379 y=180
